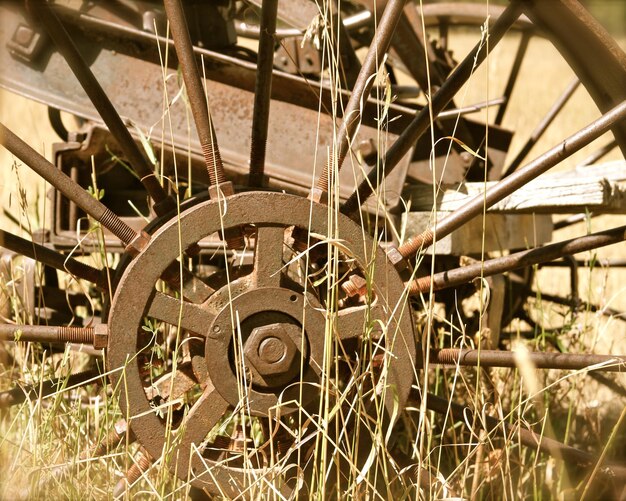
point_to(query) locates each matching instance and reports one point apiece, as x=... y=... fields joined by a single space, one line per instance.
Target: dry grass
x=41 y=435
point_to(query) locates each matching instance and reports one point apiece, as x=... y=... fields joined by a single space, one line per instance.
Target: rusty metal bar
x=540 y=360
x=262 y=92
x=65 y=185
x=458 y=276
x=512 y=183
x=45 y=14
x=516 y=434
x=19 y=394
x=360 y=92
x=514 y=73
x=51 y=258
x=422 y=121
x=349 y=64
x=541 y=128
x=195 y=91
x=54 y=334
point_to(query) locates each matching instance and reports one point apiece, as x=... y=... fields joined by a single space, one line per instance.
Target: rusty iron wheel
x=280 y=325
x=321 y=299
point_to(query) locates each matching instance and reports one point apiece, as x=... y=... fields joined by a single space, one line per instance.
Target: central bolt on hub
x=272 y=350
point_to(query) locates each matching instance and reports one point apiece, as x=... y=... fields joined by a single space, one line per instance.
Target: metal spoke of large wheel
x=542 y=127
x=195 y=92
x=513 y=74
x=72 y=190
x=524 y=436
x=509 y=185
x=539 y=360
x=102 y=103
x=52 y=258
x=362 y=87
x=522 y=259
x=262 y=92
x=422 y=121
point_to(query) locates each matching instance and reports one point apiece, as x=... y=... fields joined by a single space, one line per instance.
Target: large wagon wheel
x=259 y=362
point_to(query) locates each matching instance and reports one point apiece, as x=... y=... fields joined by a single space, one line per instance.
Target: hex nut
x=100 y=336
x=396 y=258
x=280 y=366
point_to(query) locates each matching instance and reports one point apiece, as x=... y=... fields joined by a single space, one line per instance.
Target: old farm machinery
x=280 y=195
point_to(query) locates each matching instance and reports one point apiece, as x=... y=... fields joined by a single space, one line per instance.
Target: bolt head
x=100 y=336
x=272 y=353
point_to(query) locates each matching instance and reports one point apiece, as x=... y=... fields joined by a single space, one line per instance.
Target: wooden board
x=598 y=189
x=502 y=232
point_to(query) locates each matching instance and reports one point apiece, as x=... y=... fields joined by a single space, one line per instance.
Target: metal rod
x=458 y=276
x=195 y=91
x=262 y=92
x=349 y=64
x=19 y=394
x=513 y=182
x=45 y=14
x=66 y=186
x=518 y=434
x=355 y=21
x=540 y=360
x=510 y=84
x=422 y=122
x=541 y=128
x=51 y=258
x=46 y=334
x=362 y=87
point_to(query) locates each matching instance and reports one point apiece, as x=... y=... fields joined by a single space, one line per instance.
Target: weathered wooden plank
x=501 y=232
x=600 y=188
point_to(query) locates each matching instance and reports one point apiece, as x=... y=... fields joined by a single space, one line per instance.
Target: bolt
x=272 y=350
x=100 y=336
x=23 y=35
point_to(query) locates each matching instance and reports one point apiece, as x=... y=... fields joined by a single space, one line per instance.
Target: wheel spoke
x=188 y=316
x=362 y=87
x=523 y=259
x=512 y=183
x=193 y=289
x=352 y=322
x=542 y=127
x=262 y=92
x=73 y=191
x=513 y=74
x=268 y=256
x=52 y=258
x=202 y=418
x=102 y=103
x=422 y=121
x=195 y=92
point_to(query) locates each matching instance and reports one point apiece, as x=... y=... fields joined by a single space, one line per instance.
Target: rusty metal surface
x=254 y=336
x=136 y=88
x=256 y=298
